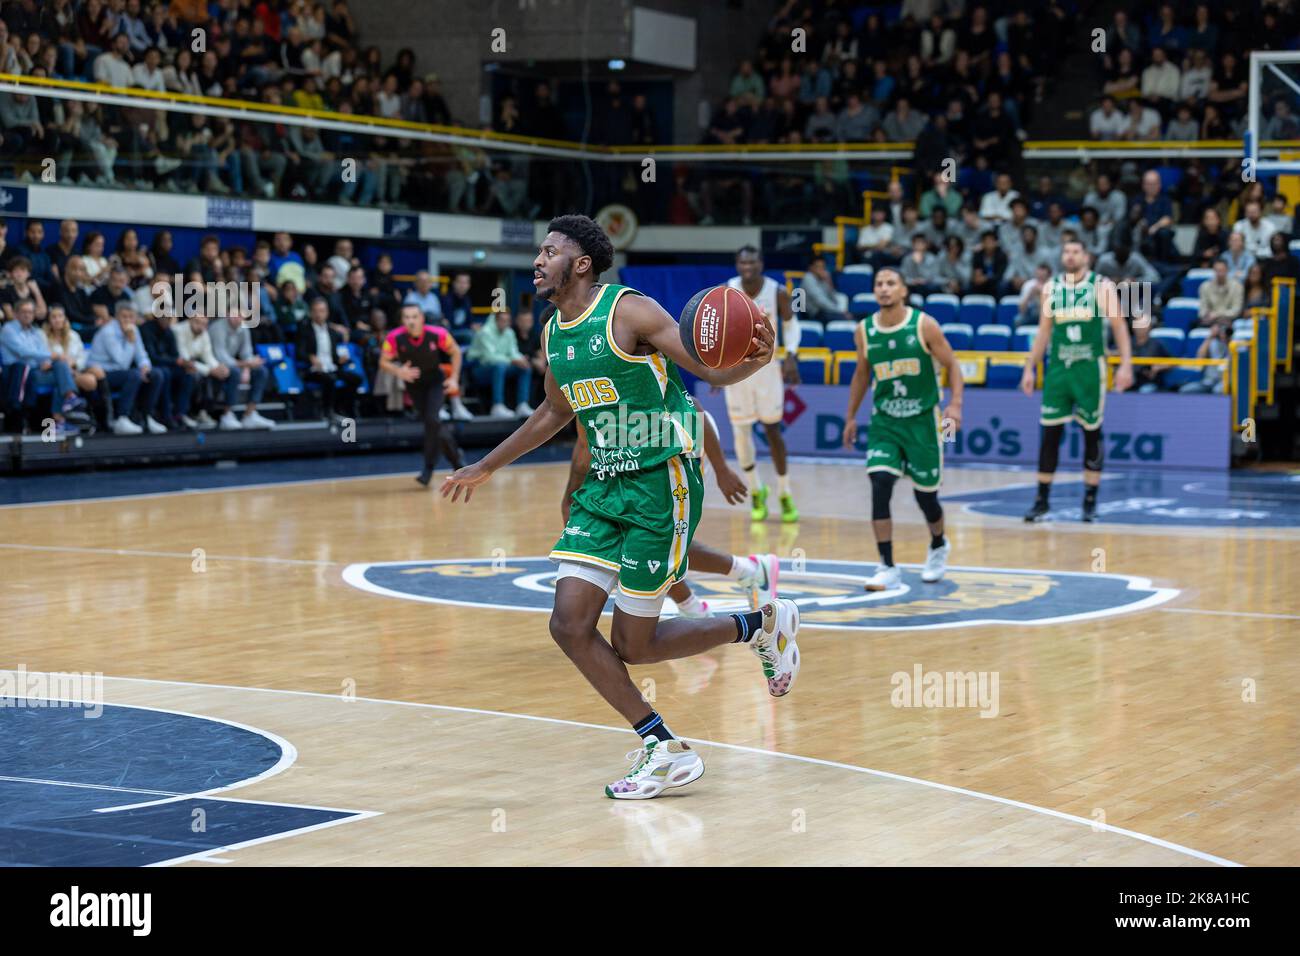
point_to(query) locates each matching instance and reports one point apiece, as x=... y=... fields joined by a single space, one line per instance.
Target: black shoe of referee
x=1037 y=510
x=425 y=477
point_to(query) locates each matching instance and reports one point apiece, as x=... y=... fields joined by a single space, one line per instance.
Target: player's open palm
x=465 y=479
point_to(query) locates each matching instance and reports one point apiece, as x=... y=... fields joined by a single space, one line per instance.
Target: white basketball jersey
x=766 y=300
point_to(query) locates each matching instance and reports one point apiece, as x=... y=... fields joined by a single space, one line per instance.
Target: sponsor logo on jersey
x=829 y=593
x=596 y=344
x=569 y=353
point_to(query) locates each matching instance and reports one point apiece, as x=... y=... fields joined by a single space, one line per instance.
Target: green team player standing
x=900 y=347
x=613 y=355
x=1071 y=331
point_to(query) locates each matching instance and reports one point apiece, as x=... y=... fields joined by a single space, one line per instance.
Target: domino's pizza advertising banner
x=1000 y=426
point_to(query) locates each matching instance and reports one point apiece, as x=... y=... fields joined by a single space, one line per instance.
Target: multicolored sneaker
x=657 y=767
x=758 y=503
x=775 y=645
x=762 y=584
x=789 y=513
x=700 y=610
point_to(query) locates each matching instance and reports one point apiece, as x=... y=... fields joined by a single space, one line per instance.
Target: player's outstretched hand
x=732 y=486
x=850 y=433
x=465 y=479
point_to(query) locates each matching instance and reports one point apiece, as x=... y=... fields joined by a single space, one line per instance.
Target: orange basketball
x=717 y=326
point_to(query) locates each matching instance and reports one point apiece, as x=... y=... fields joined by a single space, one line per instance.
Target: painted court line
x=882 y=774
x=1200 y=610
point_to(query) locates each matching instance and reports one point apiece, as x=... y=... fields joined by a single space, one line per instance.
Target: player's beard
x=559 y=286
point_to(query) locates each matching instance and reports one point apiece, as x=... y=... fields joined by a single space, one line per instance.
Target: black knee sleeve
x=1092 y=453
x=1049 y=451
x=930 y=507
x=882 y=487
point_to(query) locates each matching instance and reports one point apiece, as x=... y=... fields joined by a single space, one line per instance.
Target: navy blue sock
x=653 y=725
x=937 y=541
x=886 y=549
x=747 y=625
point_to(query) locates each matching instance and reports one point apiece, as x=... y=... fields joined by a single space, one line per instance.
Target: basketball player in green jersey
x=757 y=574
x=613 y=355
x=1071 y=330
x=900 y=346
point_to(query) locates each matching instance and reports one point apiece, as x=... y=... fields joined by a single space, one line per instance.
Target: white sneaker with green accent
x=776 y=647
x=936 y=563
x=762 y=582
x=657 y=767
x=885 y=579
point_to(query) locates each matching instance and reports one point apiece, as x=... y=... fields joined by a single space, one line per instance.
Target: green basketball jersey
x=906 y=382
x=634 y=408
x=1078 y=325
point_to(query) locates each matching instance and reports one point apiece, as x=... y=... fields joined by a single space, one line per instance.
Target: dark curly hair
x=590 y=238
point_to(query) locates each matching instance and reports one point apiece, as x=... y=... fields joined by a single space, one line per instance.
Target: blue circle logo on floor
x=829 y=593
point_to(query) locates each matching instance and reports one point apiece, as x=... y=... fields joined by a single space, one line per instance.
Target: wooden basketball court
x=458 y=733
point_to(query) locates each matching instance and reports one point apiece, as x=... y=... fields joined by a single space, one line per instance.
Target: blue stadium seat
x=839 y=336
x=359 y=366
x=863 y=304
x=977 y=310
x=916 y=300
x=855 y=282
x=1022 y=340
x=1295 y=248
x=1243 y=329
x=1181 y=313
x=1003 y=375
x=960 y=335
x=1008 y=309
x=814 y=366
x=942 y=307
x=279 y=361
x=1192 y=282
x=1172 y=339
x=846 y=363
x=993 y=338
x=810 y=334
x=1193 y=343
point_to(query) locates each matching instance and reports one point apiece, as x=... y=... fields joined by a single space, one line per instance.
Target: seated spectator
x=290 y=311
x=1184 y=126
x=113 y=66
x=194 y=346
x=1211 y=239
x=1157 y=219
x=935 y=229
x=1257 y=293
x=1282 y=125
x=1025 y=260
x=282 y=254
x=1221 y=297
x=1125 y=264
x=528 y=335
x=424 y=296
x=118 y=348
x=67 y=345
x=1280 y=264
x=876 y=241
x=995 y=207
x=497 y=360
x=993 y=134
x=328 y=360
x=856 y=122
x=1107 y=122
x=1277 y=215
x=1091 y=232
x=232 y=345
x=1141 y=122
x=1239 y=259
x=457 y=307
x=105 y=299
x=903 y=125
x=342 y=262
x=1147 y=378
x=355 y=302
x=988 y=265
x=954 y=271
x=32 y=248
x=969 y=228
x=21 y=288
x=1160 y=81
x=1255 y=229
x=1011 y=231
x=1030 y=306
x=180 y=376
x=22 y=343
x=941 y=193
x=1215 y=346
x=920 y=268
x=821 y=302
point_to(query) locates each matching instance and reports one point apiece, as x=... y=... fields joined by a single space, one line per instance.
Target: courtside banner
x=1162 y=430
